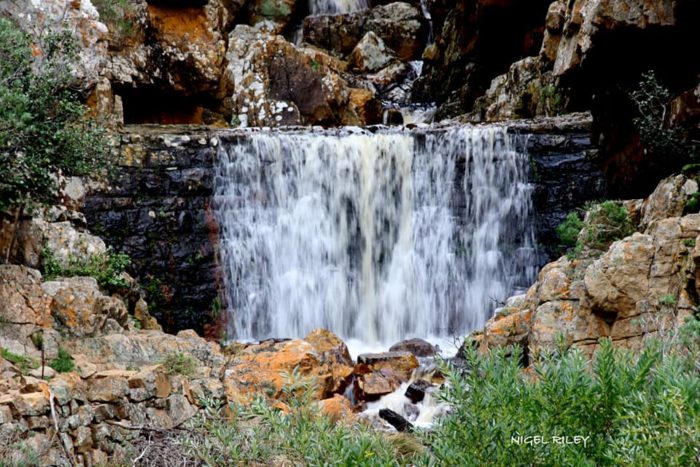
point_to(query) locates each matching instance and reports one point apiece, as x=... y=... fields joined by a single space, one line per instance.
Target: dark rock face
x=158 y=212
x=566 y=174
x=475 y=41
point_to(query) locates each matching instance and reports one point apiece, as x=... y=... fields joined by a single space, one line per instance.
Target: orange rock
x=268 y=367
x=381 y=373
x=338 y=408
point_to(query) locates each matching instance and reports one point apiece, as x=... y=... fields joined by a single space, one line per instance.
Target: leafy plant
x=261 y=434
x=630 y=408
x=178 y=363
x=44 y=131
x=569 y=229
x=668 y=300
x=551 y=100
x=106 y=268
x=605 y=223
x=63 y=363
x=116 y=14
x=652 y=100
x=23 y=362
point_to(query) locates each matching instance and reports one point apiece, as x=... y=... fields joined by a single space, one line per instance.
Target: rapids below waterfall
x=375 y=236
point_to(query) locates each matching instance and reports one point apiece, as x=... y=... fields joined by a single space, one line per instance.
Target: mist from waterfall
x=377 y=237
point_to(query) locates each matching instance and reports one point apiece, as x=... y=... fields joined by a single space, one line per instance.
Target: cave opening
x=154 y=106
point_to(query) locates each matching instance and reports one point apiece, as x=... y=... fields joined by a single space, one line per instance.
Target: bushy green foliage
x=605 y=223
x=260 y=434
x=634 y=408
x=106 y=268
x=63 y=363
x=44 y=131
x=178 y=363
x=22 y=362
x=569 y=229
x=652 y=100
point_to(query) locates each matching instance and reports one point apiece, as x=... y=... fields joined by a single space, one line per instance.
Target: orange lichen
x=180 y=23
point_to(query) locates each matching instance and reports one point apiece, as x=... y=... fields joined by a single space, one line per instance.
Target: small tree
x=652 y=100
x=44 y=130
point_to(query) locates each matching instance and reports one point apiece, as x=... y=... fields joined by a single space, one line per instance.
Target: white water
x=377 y=237
x=332 y=7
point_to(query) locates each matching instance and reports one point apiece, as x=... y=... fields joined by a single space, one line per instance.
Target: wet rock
x=396 y=420
x=382 y=373
x=418 y=347
x=416 y=390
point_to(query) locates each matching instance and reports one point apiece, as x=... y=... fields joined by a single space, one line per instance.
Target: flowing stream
x=375 y=236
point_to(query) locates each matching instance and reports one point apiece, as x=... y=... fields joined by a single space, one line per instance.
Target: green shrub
x=178 y=363
x=652 y=101
x=668 y=300
x=106 y=268
x=44 y=129
x=117 y=15
x=63 y=363
x=569 y=229
x=605 y=223
x=259 y=434
x=632 y=408
x=22 y=362
x=693 y=204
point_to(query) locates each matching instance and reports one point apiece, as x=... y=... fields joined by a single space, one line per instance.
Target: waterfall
x=375 y=236
x=332 y=7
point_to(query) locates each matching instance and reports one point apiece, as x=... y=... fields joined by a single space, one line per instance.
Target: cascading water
x=331 y=7
x=377 y=237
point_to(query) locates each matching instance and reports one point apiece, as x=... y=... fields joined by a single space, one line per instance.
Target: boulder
x=643 y=285
x=30 y=237
x=370 y=54
x=268 y=368
x=274 y=83
x=668 y=199
x=400 y=26
x=381 y=373
x=137 y=349
x=80 y=308
x=586 y=21
x=416 y=346
x=24 y=307
x=332 y=352
x=338 y=408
